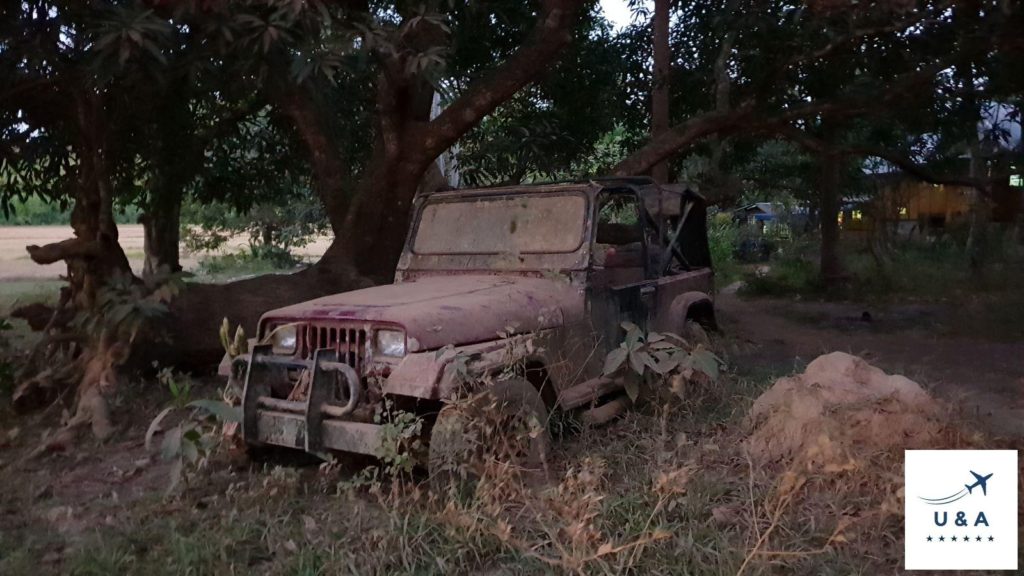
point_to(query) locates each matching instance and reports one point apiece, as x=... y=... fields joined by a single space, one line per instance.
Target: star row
x=964 y=539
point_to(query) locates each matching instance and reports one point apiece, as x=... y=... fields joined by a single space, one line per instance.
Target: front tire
x=505 y=424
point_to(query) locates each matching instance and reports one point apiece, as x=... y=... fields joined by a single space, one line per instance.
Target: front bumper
x=316 y=424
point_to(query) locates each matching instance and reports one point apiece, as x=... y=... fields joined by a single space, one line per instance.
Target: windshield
x=520 y=224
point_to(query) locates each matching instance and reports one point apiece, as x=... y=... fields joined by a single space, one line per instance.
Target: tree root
x=98 y=381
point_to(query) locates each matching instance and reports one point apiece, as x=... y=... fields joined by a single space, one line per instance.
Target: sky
x=617 y=12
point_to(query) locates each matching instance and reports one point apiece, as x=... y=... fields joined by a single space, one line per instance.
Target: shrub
x=257 y=259
x=786 y=276
x=723 y=235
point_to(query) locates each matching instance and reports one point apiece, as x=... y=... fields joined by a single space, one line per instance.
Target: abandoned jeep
x=504 y=299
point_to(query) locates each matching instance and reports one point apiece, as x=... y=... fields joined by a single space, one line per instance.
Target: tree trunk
x=831 y=268
x=177 y=159
x=331 y=174
x=660 y=82
x=92 y=257
x=162 y=228
x=724 y=187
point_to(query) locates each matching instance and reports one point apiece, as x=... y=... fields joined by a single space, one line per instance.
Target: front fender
x=435 y=375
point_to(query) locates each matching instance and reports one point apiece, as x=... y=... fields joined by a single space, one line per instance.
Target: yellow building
x=931 y=206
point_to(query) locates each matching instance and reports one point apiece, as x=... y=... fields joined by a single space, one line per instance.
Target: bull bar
x=315 y=424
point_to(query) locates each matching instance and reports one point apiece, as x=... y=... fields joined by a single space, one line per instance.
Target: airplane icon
x=981 y=481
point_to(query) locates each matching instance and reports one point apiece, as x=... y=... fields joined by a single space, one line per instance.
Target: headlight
x=283 y=339
x=390 y=343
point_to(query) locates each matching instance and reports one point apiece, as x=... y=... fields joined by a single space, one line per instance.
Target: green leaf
x=632 y=387
x=220 y=410
x=190 y=450
x=666 y=365
x=171 y=447
x=613 y=361
x=639 y=360
x=176 y=474
x=661 y=345
x=704 y=360
x=634 y=340
x=155 y=425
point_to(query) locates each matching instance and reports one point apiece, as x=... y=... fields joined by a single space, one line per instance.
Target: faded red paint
x=555 y=299
x=452 y=309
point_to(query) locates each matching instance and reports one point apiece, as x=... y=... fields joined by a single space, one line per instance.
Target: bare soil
x=54 y=506
x=984 y=378
x=15 y=263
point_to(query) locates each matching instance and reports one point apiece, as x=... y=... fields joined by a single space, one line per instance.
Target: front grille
x=348 y=341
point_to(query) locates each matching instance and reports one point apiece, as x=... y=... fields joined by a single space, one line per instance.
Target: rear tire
x=505 y=423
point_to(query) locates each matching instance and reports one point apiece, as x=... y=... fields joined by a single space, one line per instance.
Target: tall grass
x=924 y=270
x=723 y=236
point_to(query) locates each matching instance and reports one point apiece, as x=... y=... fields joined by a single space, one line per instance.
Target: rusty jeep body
x=536 y=277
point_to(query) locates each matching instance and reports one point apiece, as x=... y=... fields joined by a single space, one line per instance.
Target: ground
x=102 y=508
x=927 y=343
x=16 y=265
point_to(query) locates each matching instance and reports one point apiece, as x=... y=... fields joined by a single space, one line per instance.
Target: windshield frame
x=412 y=264
x=469 y=199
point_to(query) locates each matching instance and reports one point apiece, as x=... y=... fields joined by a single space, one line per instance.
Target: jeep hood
x=440 y=310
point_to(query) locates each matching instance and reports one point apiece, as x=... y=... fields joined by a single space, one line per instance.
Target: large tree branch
x=897 y=158
x=751 y=119
x=917 y=19
x=63 y=250
x=330 y=171
x=549 y=37
x=920 y=171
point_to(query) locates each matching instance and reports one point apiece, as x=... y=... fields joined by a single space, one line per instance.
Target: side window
x=618 y=220
x=619 y=238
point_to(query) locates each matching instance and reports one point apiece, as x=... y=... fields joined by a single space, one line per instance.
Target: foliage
x=198 y=434
x=723 y=239
x=662 y=356
x=179 y=385
x=930 y=270
x=400 y=443
x=248 y=262
x=125 y=306
x=564 y=126
x=291 y=222
x=788 y=275
x=233 y=346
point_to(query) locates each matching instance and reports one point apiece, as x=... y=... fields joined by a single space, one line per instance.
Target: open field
x=16 y=265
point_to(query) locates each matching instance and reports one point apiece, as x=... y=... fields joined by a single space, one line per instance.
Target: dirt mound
x=839 y=408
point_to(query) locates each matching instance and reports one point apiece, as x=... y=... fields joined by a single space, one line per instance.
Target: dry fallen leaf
x=724 y=514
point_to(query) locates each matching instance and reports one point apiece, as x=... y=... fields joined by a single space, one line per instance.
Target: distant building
x=756 y=214
x=913 y=206
x=916 y=206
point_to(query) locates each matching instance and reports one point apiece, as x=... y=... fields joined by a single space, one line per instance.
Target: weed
x=179 y=385
x=400 y=445
x=723 y=239
x=662 y=357
x=190 y=443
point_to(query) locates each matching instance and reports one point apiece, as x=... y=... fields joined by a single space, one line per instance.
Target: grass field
x=16 y=265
